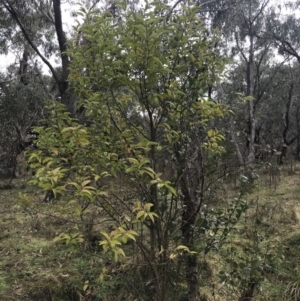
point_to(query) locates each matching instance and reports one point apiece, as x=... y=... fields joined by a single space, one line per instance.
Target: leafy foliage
x=143 y=155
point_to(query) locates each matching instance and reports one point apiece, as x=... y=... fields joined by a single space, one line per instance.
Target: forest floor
x=33 y=267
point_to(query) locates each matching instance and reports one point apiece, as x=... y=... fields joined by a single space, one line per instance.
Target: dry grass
x=32 y=267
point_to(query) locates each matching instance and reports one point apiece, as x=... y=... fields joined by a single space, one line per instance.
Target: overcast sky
x=69 y=22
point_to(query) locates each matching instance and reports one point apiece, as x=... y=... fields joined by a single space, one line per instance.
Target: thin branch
x=261 y=9
x=286 y=46
x=9 y=81
x=179 y=1
x=239 y=48
x=94 y=4
x=172 y=9
x=287 y=113
x=48 y=15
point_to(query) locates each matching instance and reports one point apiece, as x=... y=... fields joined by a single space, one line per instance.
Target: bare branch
x=48 y=15
x=261 y=10
x=239 y=48
x=179 y=1
x=172 y=9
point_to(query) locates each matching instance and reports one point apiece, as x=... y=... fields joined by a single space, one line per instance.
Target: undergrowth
x=265 y=243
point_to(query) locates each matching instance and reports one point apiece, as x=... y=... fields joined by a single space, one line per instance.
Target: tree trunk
x=250 y=92
x=298 y=134
x=156 y=232
x=66 y=93
x=189 y=215
x=237 y=148
x=24 y=67
x=191 y=265
x=192 y=278
x=287 y=143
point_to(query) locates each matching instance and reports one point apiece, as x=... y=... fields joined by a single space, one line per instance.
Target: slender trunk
x=237 y=148
x=192 y=278
x=285 y=141
x=191 y=265
x=189 y=215
x=298 y=133
x=282 y=154
x=24 y=67
x=191 y=171
x=250 y=92
x=66 y=93
x=156 y=232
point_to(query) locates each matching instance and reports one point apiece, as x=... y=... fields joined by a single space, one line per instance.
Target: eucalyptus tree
x=284 y=31
x=252 y=52
x=283 y=124
x=217 y=14
x=23 y=87
x=37 y=27
x=244 y=32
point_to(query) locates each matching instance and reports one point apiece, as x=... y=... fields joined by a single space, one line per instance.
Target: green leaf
x=148 y=207
x=141 y=214
x=106 y=236
x=85 y=286
x=181 y=247
x=171 y=189
x=83 y=141
x=84 y=183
